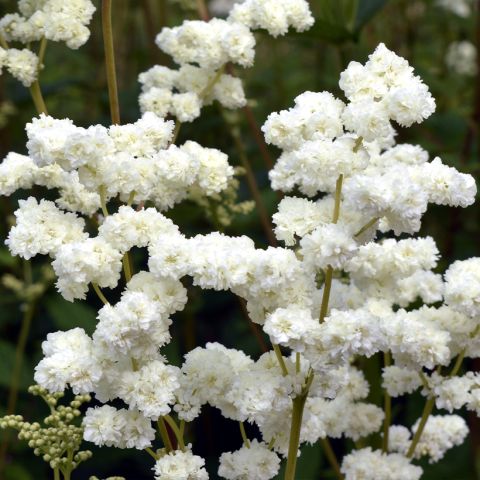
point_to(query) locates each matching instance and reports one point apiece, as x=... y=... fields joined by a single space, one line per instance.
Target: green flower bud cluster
x=29 y=292
x=58 y=440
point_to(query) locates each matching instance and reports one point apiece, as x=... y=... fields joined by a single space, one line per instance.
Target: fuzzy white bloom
x=293 y=327
x=399 y=381
x=122 y=428
x=180 y=465
x=316 y=116
x=256 y=462
x=54 y=20
x=328 y=245
x=453 y=393
x=151 y=390
x=383 y=89
x=462 y=286
x=214 y=171
x=424 y=284
x=441 y=433
x=170 y=295
x=208 y=44
x=90 y=261
x=207 y=377
x=16 y=171
x=68 y=360
x=41 y=228
x=128 y=228
x=296 y=217
x=376 y=465
x=185 y=91
x=186 y=106
x=274 y=16
x=22 y=64
x=461 y=58
x=136 y=324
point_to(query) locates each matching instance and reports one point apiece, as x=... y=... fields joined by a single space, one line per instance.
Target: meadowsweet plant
x=350 y=279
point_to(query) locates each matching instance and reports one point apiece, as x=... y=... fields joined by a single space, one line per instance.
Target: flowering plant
x=350 y=280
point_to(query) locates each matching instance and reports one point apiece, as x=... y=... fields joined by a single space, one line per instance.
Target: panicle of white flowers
x=204 y=48
x=54 y=20
x=345 y=152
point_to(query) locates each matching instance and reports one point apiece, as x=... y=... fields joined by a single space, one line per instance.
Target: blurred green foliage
x=74 y=86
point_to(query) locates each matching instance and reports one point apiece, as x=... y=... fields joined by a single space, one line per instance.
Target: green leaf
x=67 y=315
x=7 y=354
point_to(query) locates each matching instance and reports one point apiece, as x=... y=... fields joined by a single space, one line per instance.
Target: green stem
x=126 y=267
x=173 y=425
x=100 y=294
x=178 y=126
x=56 y=474
x=37 y=98
x=387 y=401
x=458 y=364
x=331 y=457
x=338 y=199
x=427 y=410
x=295 y=427
x=329 y=271
x=41 y=52
x=103 y=200
x=245 y=439
x=327 y=287
x=369 y=224
x=110 y=61
x=151 y=453
x=209 y=87
x=280 y=359
x=3 y=43
x=162 y=428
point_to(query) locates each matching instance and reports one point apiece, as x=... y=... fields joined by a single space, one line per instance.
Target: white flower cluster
x=375 y=465
x=21 y=64
x=54 y=20
x=134 y=162
x=202 y=49
x=323 y=138
x=371 y=287
x=275 y=16
x=122 y=428
x=441 y=433
x=183 y=92
x=180 y=465
x=255 y=462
